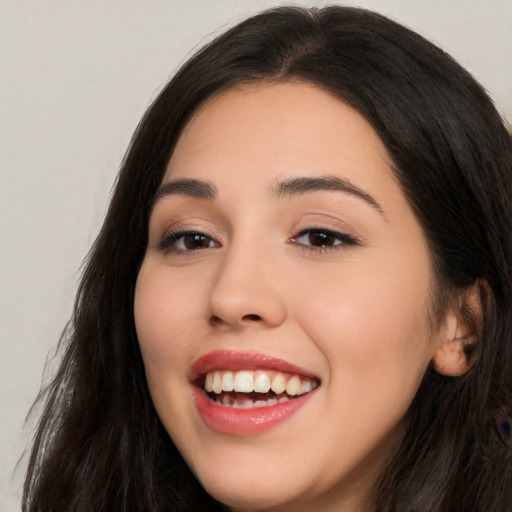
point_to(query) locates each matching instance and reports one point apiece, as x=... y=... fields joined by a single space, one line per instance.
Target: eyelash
x=170 y=240
x=344 y=240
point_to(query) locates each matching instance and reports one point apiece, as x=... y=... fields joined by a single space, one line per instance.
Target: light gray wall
x=75 y=78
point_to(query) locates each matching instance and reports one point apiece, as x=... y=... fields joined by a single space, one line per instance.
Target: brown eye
x=186 y=241
x=322 y=239
x=192 y=241
x=317 y=238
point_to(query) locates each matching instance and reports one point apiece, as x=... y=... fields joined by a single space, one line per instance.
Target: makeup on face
x=282 y=304
x=235 y=398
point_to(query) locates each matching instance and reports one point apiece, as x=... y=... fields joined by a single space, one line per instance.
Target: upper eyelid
x=192 y=227
x=168 y=225
x=343 y=236
x=173 y=211
x=215 y=226
x=168 y=246
x=177 y=234
x=335 y=227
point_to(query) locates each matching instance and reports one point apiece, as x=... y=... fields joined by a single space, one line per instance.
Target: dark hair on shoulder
x=100 y=445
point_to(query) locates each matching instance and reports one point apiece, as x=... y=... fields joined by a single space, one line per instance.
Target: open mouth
x=247 y=389
x=247 y=393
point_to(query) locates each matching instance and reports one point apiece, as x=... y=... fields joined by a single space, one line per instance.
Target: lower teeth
x=247 y=403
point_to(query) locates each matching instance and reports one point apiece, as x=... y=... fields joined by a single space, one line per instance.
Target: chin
x=252 y=495
x=247 y=483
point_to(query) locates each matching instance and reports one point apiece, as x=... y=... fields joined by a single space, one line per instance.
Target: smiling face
x=284 y=257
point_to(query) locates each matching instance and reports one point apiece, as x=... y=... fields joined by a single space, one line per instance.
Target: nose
x=247 y=292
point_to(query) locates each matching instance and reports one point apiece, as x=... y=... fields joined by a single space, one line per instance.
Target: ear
x=460 y=332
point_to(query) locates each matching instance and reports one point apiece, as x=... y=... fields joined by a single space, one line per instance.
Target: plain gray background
x=76 y=77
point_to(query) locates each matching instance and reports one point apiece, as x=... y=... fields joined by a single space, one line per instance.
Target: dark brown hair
x=100 y=445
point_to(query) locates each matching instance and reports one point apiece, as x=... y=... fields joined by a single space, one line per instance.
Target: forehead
x=262 y=132
x=294 y=111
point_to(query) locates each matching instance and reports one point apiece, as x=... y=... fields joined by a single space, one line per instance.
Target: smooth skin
x=335 y=281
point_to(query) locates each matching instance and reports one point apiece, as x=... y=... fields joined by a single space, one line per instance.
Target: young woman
x=301 y=295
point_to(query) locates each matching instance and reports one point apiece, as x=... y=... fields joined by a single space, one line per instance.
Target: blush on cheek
x=159 y=299
x=375 y=329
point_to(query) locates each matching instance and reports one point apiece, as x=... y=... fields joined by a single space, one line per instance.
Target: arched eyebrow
x=304 y=184
x=200 y=189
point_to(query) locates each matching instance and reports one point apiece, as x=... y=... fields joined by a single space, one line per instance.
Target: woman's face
x=282 y=254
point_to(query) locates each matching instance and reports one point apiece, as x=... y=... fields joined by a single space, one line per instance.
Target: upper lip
x=234 y=360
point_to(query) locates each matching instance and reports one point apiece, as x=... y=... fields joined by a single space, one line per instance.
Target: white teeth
x=227 y=382
x=217 y=383
x=262 y=383
x=270 y=382
x=293 y=386
x=208 y=384
x=243 y=382
x=278 y=383
x=306 y=386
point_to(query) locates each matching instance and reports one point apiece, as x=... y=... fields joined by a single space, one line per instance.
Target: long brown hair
x=100 y=445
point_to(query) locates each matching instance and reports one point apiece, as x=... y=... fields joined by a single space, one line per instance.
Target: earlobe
x=451 y=357
x=460 y=334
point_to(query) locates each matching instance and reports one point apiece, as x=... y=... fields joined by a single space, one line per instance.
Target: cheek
x=165 y=310
x=375 y=337
x=373 y=327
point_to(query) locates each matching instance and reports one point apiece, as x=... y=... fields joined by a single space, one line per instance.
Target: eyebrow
x=199 y=189
x=202 y=189
x=303 y=185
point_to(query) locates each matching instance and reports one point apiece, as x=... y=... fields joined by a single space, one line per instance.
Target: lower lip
x=245 y=422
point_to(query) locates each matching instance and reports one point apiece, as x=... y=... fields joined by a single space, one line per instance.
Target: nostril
x=215 y=320
x=251 y=317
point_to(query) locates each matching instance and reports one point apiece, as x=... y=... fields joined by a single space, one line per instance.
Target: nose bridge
x=246 y=288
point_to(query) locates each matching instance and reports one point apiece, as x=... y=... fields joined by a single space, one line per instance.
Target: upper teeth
x=259 y=381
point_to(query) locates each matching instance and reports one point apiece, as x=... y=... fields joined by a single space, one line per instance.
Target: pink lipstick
x=246 y=393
